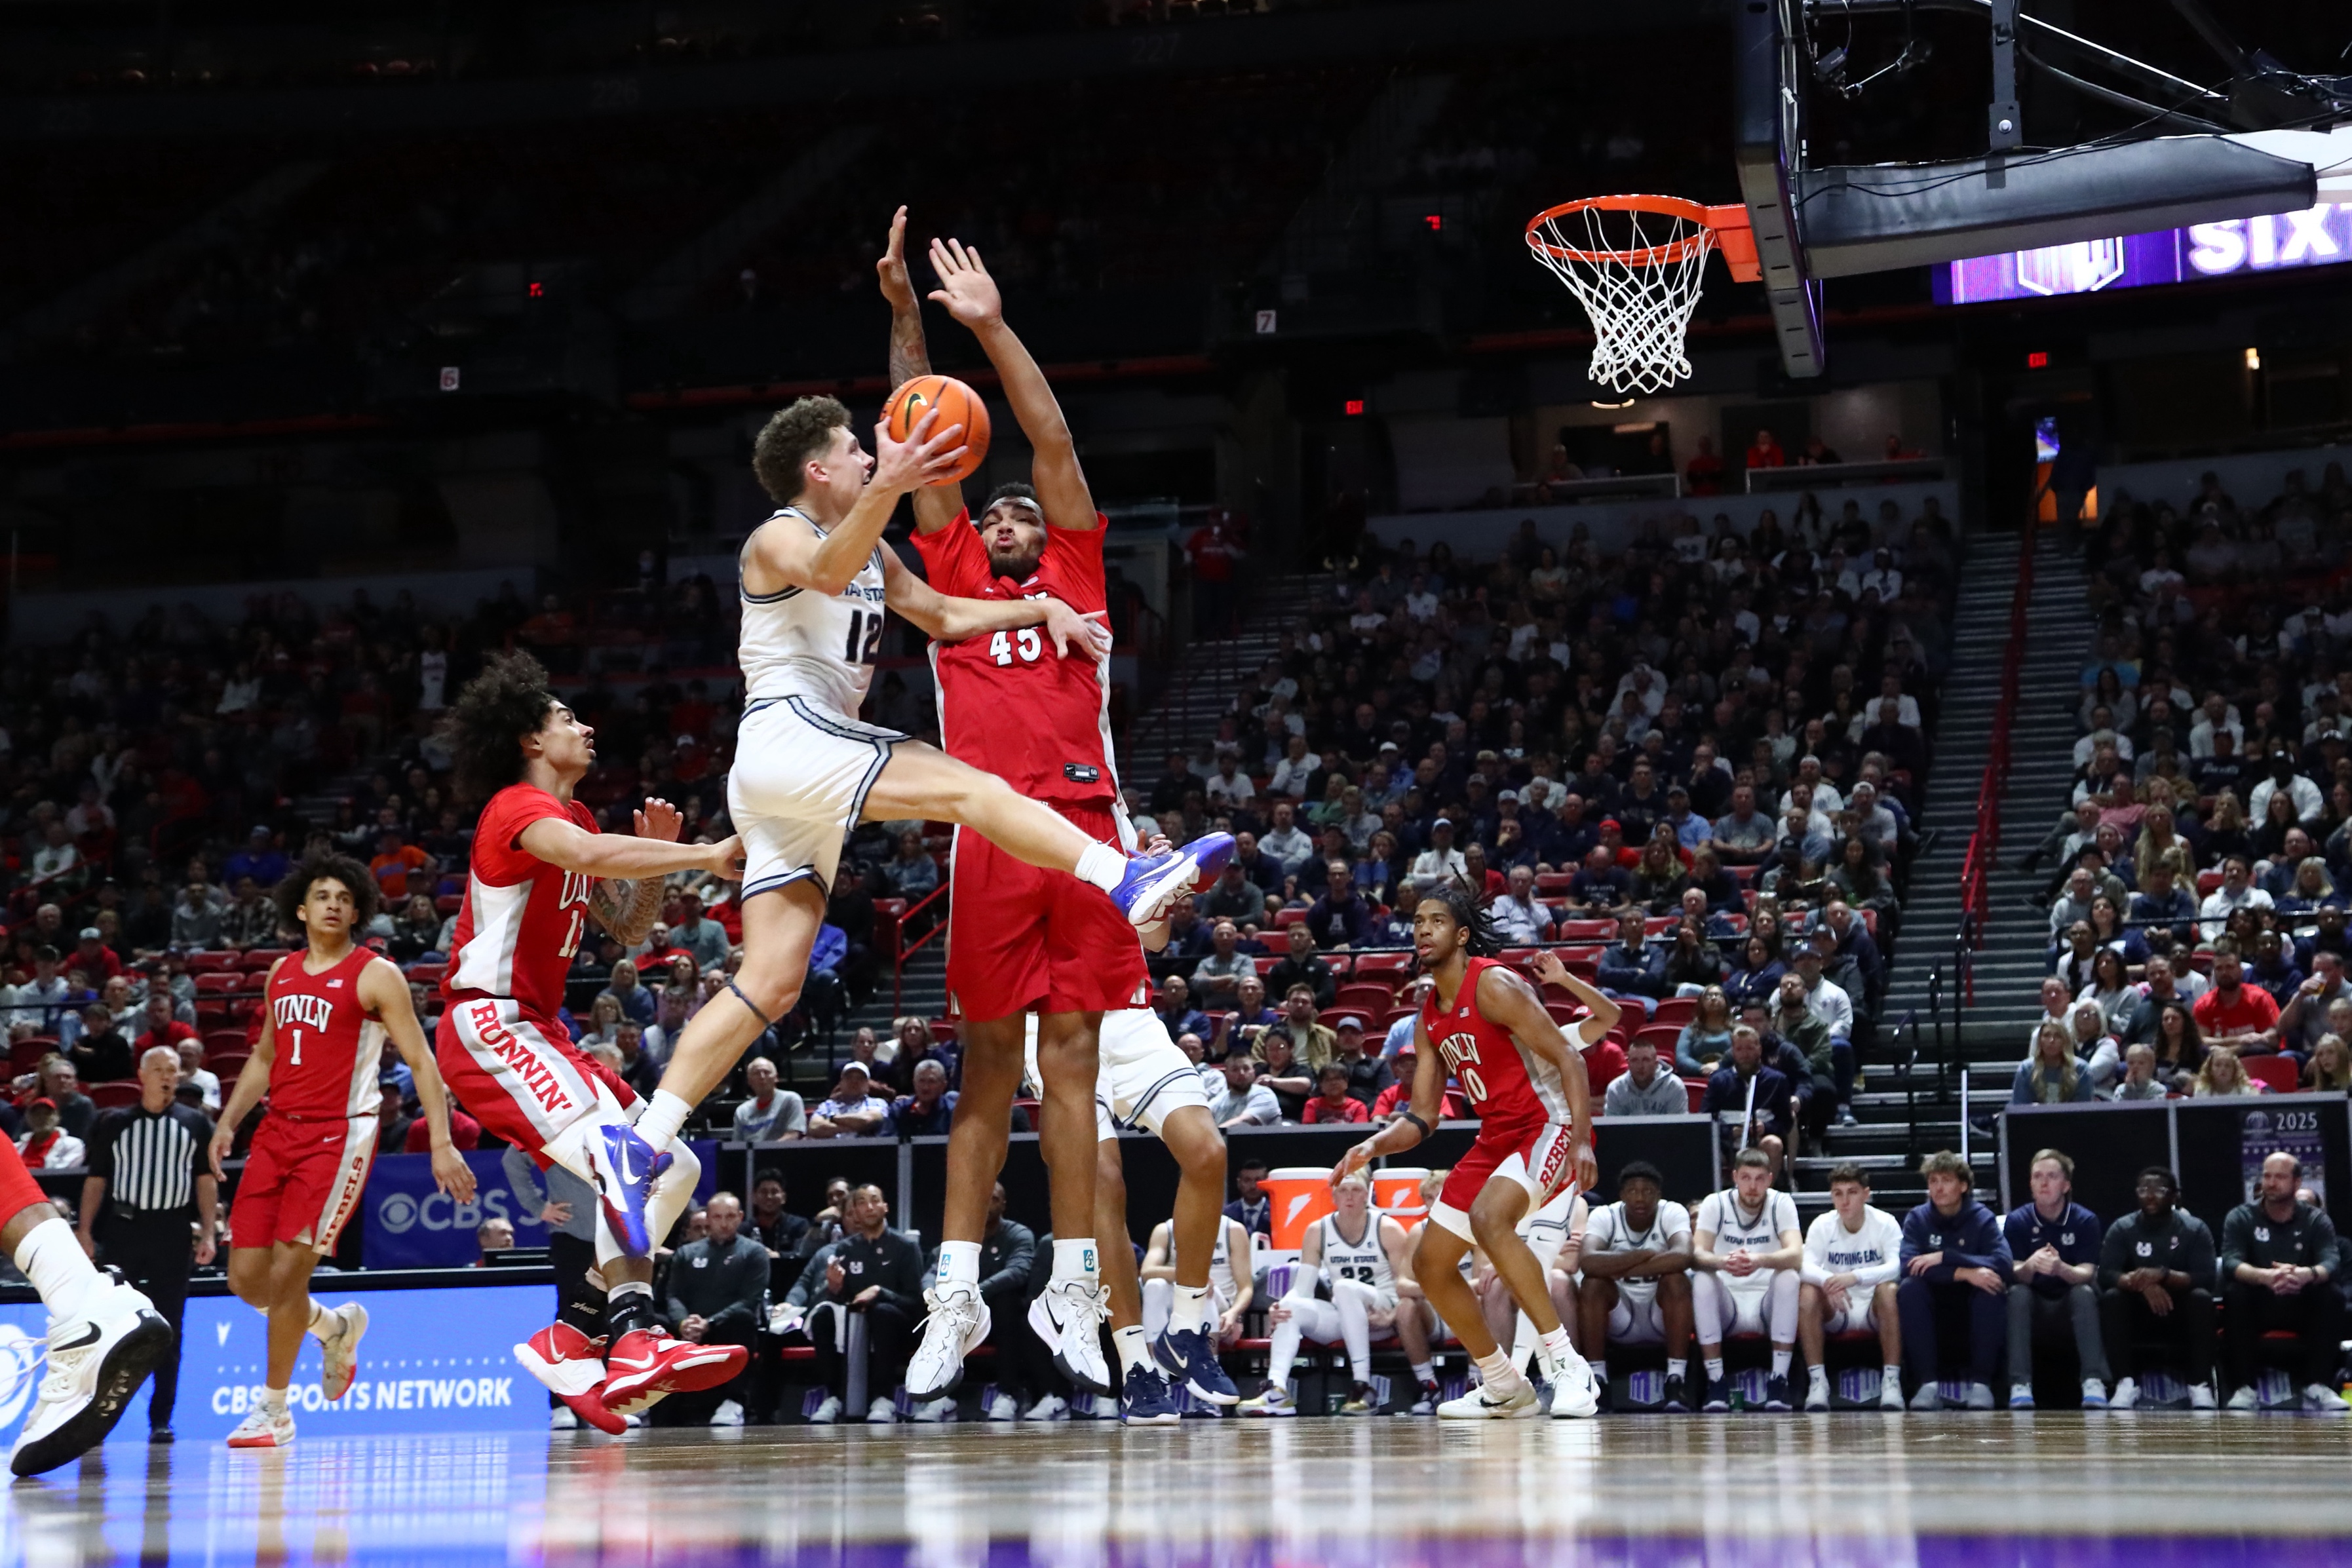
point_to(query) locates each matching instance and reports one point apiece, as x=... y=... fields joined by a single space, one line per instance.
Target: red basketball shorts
x=519 y=1075
x=1021 y=936
x=302 y=1181
x=1539 y=1156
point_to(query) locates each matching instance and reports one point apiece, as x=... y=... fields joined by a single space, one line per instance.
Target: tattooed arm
x=628 y=910
x=936 y=505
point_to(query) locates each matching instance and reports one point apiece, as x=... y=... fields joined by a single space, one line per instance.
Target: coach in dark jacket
x=879 y=1273
x=1956 y=1271
x=717 y=1288
x=2278 y=1267
x=2156 y=1282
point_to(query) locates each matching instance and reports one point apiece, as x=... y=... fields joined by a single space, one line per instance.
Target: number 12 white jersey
x=799 y=643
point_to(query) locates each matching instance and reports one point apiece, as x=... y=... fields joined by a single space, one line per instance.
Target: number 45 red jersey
x=522 y=918
x=1008 y=704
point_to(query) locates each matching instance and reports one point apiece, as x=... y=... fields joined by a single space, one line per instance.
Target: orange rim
x=1710 y=220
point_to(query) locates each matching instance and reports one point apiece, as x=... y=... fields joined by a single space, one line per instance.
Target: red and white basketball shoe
x=571 y=1366
x=646 y=1366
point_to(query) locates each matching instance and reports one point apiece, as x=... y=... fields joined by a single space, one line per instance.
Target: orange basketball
x=957 y=403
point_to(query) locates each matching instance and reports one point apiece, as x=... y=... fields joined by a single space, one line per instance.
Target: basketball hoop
x=1635 y=263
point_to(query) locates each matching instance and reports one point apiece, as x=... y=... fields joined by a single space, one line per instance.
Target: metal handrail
x=1906 y=1037
x=906 y=950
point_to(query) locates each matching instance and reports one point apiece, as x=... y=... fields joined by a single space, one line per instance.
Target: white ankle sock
x=1892 y=1373
x=1817 y=1376
x=325 y=1323
x=1677 y=1367
x=1781 y=1359
x=661 y=1119
x=1714 y=1367
x=1498 y=1372
x=1075 y=1259
x=1189 y=1308
x=59 y=1270
x=1600 y=1373
x=1100 y=865
x=958 y=1264
x=1132 y=1346
x=274 y=1399
x=1424 y=1372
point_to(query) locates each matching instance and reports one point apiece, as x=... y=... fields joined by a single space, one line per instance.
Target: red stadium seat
x=428 y=974
x=2276 y=1073
x=217 y=985
x=260 y=958
x=1661 y=1035
x=1518 y=957
x=1675 y=1010
x=449 y=903
x=26 y=1054
x=1587 y=930
x=206 y=963
x=108 y=1096
x=221 y=1042
x=1374 y=1000
x=1697 y=1093
x=1552 y=883
x=1283 y=919
x=1265 y=963
x=1368 y=964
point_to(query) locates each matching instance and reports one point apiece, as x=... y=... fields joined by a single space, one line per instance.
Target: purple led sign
x=2317 y=236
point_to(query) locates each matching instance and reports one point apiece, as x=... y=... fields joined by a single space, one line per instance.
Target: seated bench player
x=1636 y=1287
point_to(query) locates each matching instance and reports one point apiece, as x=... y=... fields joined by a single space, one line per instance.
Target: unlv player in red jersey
x=325 y=1013
x=1487 y=1026
x=1019 y=937
x=539 y=871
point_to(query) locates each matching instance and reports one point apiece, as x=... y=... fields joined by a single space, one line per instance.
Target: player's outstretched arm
x=971 y=298
x=1511 y=1002
x=384 y=991
x=568 y=846
x=936 y=505
x=950 y=619
x=628 y=910
x=1602 y=1010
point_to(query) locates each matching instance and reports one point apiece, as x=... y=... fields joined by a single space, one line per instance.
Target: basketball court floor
x=1858 y=1491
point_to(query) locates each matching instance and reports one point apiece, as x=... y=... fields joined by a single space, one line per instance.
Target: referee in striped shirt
x=147 y=1179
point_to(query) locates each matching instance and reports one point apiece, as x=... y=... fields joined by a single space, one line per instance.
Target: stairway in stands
x=2008 y=967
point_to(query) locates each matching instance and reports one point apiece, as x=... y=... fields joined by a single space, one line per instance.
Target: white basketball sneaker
x=340 y=1351
x=97 y=1362
x=1484 y=1403
x=1069 y=1317
x=266 y=1425
x=958 y=1321
x=1574 y=1397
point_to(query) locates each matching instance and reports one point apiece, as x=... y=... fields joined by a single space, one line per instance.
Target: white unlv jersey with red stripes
x=329 y=1051
x=522 y=918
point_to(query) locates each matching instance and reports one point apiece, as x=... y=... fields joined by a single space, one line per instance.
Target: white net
x=1637 y=272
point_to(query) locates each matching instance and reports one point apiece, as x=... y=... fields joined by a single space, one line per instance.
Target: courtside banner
x=433 y=1361
x=411 y=1224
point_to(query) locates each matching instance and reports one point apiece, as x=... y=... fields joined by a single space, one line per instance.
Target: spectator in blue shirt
x=1177 y=1012
x=2053 y=1249
x=1564 y=838
x=2163 y=904
x=1956 y=1269
x=260 y=859
x=1691 y=830
x=1631 y=968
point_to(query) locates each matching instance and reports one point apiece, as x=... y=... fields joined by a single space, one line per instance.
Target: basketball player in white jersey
x=1637 y=1280
x=1362 y=1257
x=1555 y=1235
x=1231 y=1289
x=816 y=580
x=1854 y=1257
x=1746 y=1250
x=1145 y=1082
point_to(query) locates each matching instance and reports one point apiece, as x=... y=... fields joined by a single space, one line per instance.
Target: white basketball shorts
x=1141 y=1076
x=798 y=787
